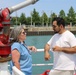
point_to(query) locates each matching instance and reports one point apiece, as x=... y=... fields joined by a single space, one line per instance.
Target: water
x=38 y=58
x=38 y=41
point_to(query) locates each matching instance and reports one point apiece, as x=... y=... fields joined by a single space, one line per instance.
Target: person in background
x=20 y=52
x=63 y=45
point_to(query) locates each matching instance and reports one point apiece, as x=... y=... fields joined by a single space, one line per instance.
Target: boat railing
x=41 y=50
x=38 y=64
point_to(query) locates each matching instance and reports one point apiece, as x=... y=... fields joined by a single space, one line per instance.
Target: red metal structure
x=4 y=32
x=46 y=72
x=5 y=19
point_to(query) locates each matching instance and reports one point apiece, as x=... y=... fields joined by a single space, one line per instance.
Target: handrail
x=40 y=50
x=42 y=64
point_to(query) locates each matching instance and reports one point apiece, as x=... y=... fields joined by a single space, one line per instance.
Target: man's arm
x=46 y=52
x=70 y=50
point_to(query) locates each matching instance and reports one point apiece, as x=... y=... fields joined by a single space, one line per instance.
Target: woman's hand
x=33 y=48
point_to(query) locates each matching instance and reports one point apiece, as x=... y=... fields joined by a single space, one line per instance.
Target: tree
x=45 y=18
x=35 y=17
x=75 y=19
x=28 y=21
x=62 y=14
x=52 y=15
x=22 y=18
x=15 y=20
x=71 y=15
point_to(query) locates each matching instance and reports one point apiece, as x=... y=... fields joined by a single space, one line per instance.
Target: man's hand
x=47 y=55
x=57 y=48
x=46 y=52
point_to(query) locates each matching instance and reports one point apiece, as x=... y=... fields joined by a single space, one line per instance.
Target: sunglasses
x=24 y=33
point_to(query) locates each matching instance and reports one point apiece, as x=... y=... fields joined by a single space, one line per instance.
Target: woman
x=21 y=56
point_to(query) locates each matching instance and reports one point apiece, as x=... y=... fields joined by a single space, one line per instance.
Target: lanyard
x=26 y=48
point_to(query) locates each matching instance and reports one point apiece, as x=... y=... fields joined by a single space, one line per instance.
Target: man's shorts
x=61 y=72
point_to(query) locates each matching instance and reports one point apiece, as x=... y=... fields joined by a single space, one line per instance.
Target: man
x=63 y=45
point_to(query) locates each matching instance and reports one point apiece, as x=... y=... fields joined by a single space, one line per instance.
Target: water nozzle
x=21 y=5
x=35 y=1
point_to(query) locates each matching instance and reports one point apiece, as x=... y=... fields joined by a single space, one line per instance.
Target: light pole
x=51 y=18
x=75 y=19
x=16 y=17
x=31 y=18
x=42 y=18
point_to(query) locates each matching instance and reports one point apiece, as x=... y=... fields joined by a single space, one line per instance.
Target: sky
x=47 y=6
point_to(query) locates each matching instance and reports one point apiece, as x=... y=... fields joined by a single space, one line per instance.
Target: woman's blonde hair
x=14 y=33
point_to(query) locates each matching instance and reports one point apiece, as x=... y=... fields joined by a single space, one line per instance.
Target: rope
x=5 y=59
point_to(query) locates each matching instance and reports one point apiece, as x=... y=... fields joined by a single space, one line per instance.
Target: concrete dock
x=44 y=30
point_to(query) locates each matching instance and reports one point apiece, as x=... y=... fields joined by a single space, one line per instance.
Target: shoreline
x=32 y=31
x=37 y=33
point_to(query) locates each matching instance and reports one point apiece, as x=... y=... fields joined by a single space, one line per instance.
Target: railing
x=42 y=65
x=41 y=50
x=38 y=65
